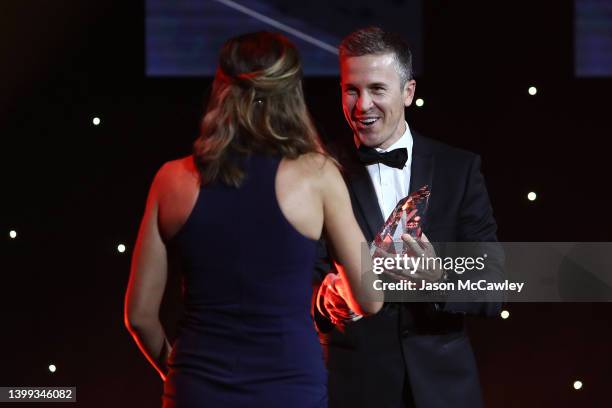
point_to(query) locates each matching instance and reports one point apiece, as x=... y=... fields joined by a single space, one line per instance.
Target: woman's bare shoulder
x=177 y=175
x=184 y=166
x=315 y=165
x=178 y=170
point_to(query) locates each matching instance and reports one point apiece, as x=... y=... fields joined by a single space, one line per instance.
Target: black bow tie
x=395 y=158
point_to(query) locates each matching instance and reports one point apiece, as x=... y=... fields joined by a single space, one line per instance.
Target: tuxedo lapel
x=365 y=198
x=421 y=169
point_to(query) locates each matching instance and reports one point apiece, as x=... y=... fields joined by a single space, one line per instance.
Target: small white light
x=532 y=196
x=419 y=102
x=52 y=368
x=13 y=234
x=505 y=314
x=533 y=90
x=96 y=121
x=121 y=248
x=577 y=384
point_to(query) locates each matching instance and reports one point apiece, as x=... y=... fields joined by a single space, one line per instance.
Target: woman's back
x=246 y=334
x=297 y=189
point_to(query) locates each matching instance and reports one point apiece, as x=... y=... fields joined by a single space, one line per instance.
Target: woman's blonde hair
x=256 y=106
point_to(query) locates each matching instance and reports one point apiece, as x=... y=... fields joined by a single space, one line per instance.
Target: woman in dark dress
x=244 y=213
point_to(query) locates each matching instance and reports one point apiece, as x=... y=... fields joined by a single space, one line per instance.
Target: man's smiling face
x=373 y=98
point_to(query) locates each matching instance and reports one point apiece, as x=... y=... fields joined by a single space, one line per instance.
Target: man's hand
x=419 y=248
x=331 y=301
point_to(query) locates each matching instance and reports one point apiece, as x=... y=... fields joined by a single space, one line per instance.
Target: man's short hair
x=375 y=41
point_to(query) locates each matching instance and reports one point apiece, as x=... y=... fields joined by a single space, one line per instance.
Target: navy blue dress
x=246 y=338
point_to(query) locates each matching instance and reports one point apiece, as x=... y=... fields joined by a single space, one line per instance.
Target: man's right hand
x=331 y=301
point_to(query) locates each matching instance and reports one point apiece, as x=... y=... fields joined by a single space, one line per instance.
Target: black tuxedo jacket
x=412 y=354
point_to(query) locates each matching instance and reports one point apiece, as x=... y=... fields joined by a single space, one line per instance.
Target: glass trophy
x=405 y=219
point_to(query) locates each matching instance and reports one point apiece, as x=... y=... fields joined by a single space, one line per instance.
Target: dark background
x=74 y=191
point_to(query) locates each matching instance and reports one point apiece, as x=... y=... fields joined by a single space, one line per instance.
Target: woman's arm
x=347 y=239
x=147 y=283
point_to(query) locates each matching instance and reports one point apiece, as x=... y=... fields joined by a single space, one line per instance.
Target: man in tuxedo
x=409 y=354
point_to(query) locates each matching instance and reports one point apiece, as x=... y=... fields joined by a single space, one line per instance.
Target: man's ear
x=408 y=92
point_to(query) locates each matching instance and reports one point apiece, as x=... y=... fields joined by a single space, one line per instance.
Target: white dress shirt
x=392 y=184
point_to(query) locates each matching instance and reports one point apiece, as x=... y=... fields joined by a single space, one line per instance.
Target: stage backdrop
x=183 y=37
x=593 y=42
